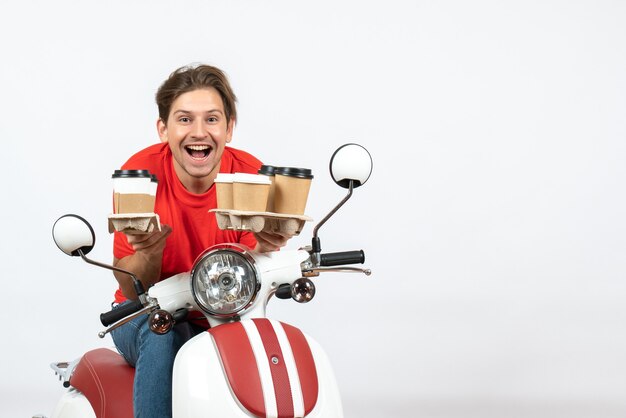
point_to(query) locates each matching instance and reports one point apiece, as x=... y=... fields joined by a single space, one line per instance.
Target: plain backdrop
x=494 y=220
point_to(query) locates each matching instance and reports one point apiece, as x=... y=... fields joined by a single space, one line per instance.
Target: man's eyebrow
x=188 y=112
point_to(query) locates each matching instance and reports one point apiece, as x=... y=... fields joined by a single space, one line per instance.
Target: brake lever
x=314 y=272
x=151 y=307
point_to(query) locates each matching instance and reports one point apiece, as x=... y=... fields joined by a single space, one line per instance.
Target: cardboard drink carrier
x=273 y=201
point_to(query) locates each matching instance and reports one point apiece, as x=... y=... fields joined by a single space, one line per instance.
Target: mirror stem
x=136 y=282
x=315 y=241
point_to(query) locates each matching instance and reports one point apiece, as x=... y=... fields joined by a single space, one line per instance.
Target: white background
x=494 y=220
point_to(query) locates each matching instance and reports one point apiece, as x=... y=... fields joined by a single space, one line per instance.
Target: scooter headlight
x=224 y=280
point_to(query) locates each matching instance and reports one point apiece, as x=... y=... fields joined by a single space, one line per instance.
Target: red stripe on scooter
x=305 y=365
x=280 y=377
x=240 y=366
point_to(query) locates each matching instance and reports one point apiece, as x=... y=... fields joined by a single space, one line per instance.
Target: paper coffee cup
x=268 y=171
x=224 y=190
x=133 y=191
x=291 y=189
x=154 y=185
x=250 y=192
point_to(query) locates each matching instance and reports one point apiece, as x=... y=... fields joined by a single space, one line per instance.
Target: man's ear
x=229 y=130
x=162 y=130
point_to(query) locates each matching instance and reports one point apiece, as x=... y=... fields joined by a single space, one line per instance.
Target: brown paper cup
x=268 y=171
x=270 y=197
x=224 y=195
x=250 y=196
x=250 y=192
x=224 y=190
x=133 y=203
x=290 y=194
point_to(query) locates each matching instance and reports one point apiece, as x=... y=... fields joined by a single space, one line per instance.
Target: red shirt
x=194 y=228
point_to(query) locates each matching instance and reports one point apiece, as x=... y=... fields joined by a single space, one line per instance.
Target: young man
x=197 y=116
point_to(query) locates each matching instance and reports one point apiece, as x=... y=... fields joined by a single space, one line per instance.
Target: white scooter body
x=200 y=382
x=73 y=404
x=199 y=377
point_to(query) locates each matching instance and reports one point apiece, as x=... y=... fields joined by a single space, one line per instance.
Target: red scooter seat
x=105 y=378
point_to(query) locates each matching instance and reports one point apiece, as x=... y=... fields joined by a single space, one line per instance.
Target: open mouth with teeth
x=198 y=152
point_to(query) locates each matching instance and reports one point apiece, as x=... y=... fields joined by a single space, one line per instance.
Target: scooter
x=245 y=364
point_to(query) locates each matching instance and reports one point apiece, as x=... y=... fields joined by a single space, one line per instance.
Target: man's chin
x=200 y=173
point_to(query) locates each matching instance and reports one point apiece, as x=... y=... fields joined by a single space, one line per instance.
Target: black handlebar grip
x=340 y=258
x=283 y=291
x=116 y=314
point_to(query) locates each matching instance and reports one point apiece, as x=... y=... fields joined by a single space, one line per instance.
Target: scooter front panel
x=240 y=366
x=306 y=365
x=256 y=367
x=282 y=368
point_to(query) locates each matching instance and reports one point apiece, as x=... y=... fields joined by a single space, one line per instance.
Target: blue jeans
x=152 y=356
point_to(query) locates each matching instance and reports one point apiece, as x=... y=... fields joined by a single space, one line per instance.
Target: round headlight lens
x=224 y=282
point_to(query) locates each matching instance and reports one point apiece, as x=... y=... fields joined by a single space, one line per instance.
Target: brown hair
x=195 y=77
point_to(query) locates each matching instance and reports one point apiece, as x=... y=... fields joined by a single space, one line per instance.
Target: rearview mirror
x=351 y=162
x=72 y=233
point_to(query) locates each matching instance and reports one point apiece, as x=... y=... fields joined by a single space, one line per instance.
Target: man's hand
x=267 y=242
x=145 y=263
x=151 y=243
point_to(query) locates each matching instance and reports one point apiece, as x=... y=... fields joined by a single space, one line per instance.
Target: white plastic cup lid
x=224 y=178
x=251 y=178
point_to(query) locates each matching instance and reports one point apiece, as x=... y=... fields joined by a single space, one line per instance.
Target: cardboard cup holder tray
x=240 y=220
x=134 y=223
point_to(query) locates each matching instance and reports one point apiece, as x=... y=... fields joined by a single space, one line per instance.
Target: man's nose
x=198 y=130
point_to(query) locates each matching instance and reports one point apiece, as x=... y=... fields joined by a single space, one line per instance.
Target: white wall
x=493 y=221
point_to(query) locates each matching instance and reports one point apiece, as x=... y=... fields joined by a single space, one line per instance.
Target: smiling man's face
x=197 y=132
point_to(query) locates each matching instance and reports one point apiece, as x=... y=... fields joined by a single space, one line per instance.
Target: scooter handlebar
x=111 y=317
x=342 y=258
